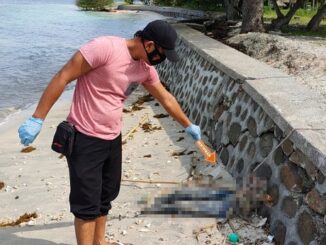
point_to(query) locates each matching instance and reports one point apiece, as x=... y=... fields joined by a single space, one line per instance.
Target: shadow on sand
x=15 y=235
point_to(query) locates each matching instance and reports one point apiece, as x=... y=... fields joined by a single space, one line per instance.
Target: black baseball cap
x=164 y=36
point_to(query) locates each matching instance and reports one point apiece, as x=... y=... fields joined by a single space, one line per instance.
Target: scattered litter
x=181 y=138
x=181 y=153
x=28 y=149
x=8 y=189
x=148 y=127
x=157 y=104
x=181 y=131
x=136 y=106
x=191 y=152
x=161 y=115
x=233 y=237
x=22 y=219
x=206 y=229
x=142 y=99
x=270 y=238
x=134 y=129
x=133 y=108
x=2 y=184
x=148 y=156
x=260 y=222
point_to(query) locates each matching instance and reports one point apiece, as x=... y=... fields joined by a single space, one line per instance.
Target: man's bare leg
x=85 y=230
x=99 y=235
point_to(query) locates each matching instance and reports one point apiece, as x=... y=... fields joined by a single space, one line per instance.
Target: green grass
x=300 y=31
x=301 y=17
x=298 y=22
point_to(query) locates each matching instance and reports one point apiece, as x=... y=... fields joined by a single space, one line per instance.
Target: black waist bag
x=63 y=139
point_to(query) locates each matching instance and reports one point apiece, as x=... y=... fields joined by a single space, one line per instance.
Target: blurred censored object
x=219 y=197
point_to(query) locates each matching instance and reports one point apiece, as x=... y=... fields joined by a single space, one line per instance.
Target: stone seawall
x=173 y=12
x=257 y=118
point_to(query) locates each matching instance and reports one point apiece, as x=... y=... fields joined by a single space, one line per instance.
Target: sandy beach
x=38 y=182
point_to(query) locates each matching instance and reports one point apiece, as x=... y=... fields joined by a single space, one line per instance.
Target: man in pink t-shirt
x=107 y=70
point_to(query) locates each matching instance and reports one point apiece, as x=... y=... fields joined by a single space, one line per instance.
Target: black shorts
x=95 y=175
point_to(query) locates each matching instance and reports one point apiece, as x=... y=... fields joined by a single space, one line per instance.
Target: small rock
x=30 y=223
x=144 y=230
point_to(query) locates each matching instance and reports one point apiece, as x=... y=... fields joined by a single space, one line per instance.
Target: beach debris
x=129 y=135
x=142 y=99
x=148 y=127
x=2 y=184
x=181 y=138
x=136 y=106
x=206 y=229
x=191 y=152
x=28 y=149
x=180 y=153
x=161 y=115
x=259 y=222
x=25 y=218
x=132 y=109
x=148 y=156
x=233 y=237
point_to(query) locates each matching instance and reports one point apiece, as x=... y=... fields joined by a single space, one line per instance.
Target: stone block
x=287 y=147
x=279 y=232
x=279 y=156
x=290 y=178
x=306 y=228
x=289 y=206
x=234 y=133
x=316 y=201
x=295 y=178
x=224 y=155
x=264 y=171
x=252 y=126
x=266 y=144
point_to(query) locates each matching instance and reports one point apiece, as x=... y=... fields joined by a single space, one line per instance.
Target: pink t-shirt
x=98 y=99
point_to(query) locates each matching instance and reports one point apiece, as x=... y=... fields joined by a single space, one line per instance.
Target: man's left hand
x=194 y=131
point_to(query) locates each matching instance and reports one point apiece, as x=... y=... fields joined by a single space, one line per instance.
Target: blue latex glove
x=29 y=130
x=194 y=131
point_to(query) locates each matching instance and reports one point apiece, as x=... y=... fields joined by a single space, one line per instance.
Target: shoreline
x=19 y=116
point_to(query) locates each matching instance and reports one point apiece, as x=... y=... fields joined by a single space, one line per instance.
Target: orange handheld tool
x=209 y=154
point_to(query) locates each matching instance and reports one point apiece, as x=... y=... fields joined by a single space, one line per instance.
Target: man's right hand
x=29 y=130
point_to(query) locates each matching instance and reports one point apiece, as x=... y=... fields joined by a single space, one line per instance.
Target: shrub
x=93 y=4
x=129 y=1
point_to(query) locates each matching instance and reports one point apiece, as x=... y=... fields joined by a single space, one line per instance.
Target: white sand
x=38 y=182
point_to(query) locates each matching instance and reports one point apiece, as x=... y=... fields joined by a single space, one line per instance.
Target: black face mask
x=152 y=54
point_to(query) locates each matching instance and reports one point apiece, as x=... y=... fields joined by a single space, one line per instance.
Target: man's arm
x=169 y=103
x=74 y=68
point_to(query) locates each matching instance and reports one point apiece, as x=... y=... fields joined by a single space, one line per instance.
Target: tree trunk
x=277 y=9
x=314 y=23
x=252 y=16
x=231 y=8
x=285 y=20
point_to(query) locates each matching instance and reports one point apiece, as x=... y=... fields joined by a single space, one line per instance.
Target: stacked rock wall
x=244 y=136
